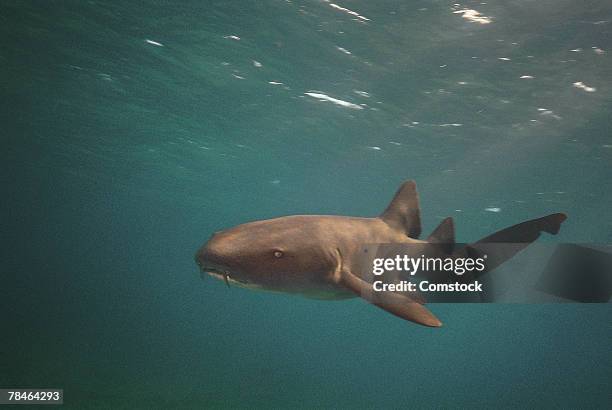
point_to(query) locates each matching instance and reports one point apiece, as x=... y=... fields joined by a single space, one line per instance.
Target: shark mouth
x=225 y=275
x=219 y=273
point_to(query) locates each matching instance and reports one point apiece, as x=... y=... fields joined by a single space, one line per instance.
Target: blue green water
x=133 y=130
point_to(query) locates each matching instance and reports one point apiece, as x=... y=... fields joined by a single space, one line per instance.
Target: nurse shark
x=317 y=256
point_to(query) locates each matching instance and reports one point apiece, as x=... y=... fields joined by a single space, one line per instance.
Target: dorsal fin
x=403 y=213
x=444 y=235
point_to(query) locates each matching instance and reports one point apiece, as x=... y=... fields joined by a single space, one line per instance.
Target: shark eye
x=278 y=254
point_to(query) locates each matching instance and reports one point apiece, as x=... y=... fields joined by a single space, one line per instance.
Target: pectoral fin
x=395 y=303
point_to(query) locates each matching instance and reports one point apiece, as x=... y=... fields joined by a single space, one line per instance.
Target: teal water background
x=133 y=130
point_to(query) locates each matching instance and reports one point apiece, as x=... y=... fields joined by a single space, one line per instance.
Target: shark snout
x=215 y=258
x=212 y=254
x=218 y=254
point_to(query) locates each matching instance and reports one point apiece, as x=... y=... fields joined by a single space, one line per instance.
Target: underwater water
x=131 y=131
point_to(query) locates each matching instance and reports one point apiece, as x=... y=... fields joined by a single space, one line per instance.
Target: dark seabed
x=133 y=130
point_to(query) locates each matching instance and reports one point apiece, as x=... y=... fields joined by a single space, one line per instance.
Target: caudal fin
x=528 y=231
x=504 y=244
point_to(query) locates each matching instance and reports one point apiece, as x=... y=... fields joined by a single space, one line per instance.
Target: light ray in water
x=324 y=97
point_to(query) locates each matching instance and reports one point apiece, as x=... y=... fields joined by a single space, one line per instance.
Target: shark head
x=274 y=254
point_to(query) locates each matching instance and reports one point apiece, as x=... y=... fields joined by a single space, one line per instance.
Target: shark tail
x=528 y=231
x=504 y=244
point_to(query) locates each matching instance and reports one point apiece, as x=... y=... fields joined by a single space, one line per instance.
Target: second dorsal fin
x=444 y=235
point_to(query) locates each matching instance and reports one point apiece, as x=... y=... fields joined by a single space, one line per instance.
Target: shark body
x=317 y=255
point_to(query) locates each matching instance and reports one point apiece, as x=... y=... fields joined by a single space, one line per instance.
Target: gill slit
x=338 y=272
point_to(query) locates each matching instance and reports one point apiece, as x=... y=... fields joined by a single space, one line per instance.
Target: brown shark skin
x=311 y=246
x=315 y=255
